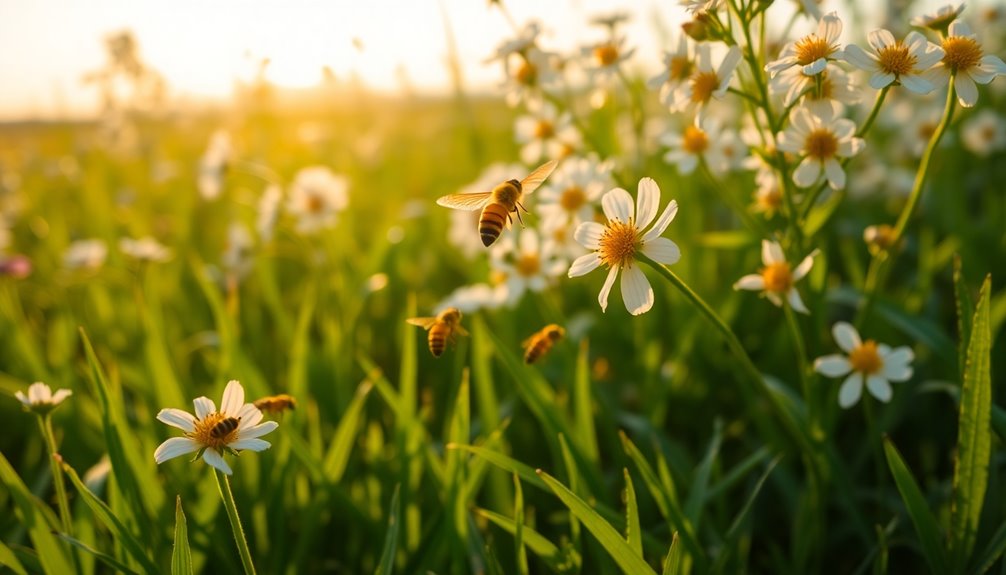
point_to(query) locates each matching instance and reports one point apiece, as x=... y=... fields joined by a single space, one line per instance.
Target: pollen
x=527 y=74
x=606 y=54
x=203 y=432
x=315 y=204
x=961 y=53
x=821 y=144
x=680 y=67
x=865 y=359
x=619 y=244
x=528 y=265
x=777 y=277
x=812 y=48
x=544 y=130
x=572 y=198
x=703 y=86
x=896 y=59
x=694 y=140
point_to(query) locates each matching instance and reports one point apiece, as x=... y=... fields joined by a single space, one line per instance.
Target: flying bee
x=223 y=427
x=442 y=328
x=274 y=404
x=541 y=342
x=497 y=204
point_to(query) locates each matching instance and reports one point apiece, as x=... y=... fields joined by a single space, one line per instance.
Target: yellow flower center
x=703 y=86
x=527 y=74
x=881 y=237
x=572 y=198
x=961 y=53
x=777 y=277
x=528 y=265
x=315 y=204
x=896 y=59
x=694 y=140
x=770 y=201
x=680 y=67
x=865 y=358
x=606 y=54
x=821 y=144
x=560 y=235
x=544 y=130
x=215 y=430
x=619 y=244
x=812 y=48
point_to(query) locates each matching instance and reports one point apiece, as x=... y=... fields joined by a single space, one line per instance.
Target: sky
x=202 y=47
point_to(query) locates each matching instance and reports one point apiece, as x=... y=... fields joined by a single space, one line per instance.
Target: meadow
x=683 y=425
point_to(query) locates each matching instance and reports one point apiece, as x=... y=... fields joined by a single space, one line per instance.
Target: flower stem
x=45 y=424
x=224 y=485
x=873 y=113
x=801 y=353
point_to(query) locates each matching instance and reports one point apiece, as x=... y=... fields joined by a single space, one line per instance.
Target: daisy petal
x=602 y=296
x=636 y=291
x=584 y=265
x=251 y=444
x=896 y=364
x=807 y=172
x=804 y=267
x=177 y=418
x=771 y=252
x=662 y=222
x=60 y=395
x=753 y=282
x=846 y=336
x=647 y=202
x=859 y=58
x=215 y=460
x=793 y=297
x=832 y=365
x=589 y=234
x=879 y=388
x=850 y=391
x=967 y=91
x=835 y=174
x=174 y=447
x=617 y=205
x=258 y=430
x=204 y=406
x=662 y=250
x=880 y=38
x=234 y=398
x=249 y=415
x=917 y=84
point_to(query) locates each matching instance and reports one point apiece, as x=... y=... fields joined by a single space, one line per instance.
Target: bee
x=442 y=328
x=541 y=342
x=223 y=427
x=497 y=204
x=276 y=403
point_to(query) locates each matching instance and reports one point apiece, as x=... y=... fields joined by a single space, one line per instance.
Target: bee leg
x=519 y=218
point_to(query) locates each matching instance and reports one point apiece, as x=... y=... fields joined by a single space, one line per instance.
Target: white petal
x=665 y=219
x=584 y=265
x=836 y=175
x=647 y=202
x=753 y=282
x=917 y=84
x=204 y=406
x=846 y=336
x=687 y=164
x=880 y=39
x=929 y=58
x=249 y=415
x=967 y=92
x=959 y=28
x=879 y=388
x=258 y=431
x=39 y=392
x=214 y=459
x=804 y=267
x=174 y=447
x=850 y=391
x=896 y=364
x=602 y=296
x=177 y=418
x=830 y=27
x=793 y=297
x=251 y=444
x=880 y=79
x=774 y=298
x=859 y=58
x=60 y=395
x=617 y=205
x=832 y=365
x=234 y=398
x=771 y=252
x=807 y=172
x=22 y=398
x=815 y=67
x=588 y=235
x=636 y=291
x=662 y=250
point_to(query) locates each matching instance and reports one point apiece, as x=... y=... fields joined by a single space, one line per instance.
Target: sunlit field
x=723 y=303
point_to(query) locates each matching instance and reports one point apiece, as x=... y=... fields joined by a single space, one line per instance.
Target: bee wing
x=470 y=202
x=527 y=342
x=535 y=178
x=423 y=322
x=461 y=331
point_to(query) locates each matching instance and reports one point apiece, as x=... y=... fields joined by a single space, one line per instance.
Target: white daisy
x=940 y=18
x=145 y=249
x=213 y=165
x=317 y=195
x=965 y=61
x=571 y=194
x=268 y=211
x=530 y=72
x=526 y=264
x=85 y=254
x=616 y=243
x=472 y=298
x=545 y=134
x=234 y=428
x=678 y=66
x=809 y=54
x=777 y=280
x=721 y=149
x=820 y=139
x=875 y=363
x=236 y=257
x=41 y=399
x=558 y=237
x=890 y=61
x=705 y=82
x=604 y=59
x=984 y=133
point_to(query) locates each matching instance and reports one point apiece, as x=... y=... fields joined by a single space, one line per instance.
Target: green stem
x=744 y=95
x=45 y=424
x=876 y=447
x=801 y=352
x=873 y=113
x=224 y=485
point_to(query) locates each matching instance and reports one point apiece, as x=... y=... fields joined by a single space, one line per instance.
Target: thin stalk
x=65 y=519
x=876 y=447
x=801 y=352
x=873 y=113
x=224 y=485
x=744 y=95
x=737 y=206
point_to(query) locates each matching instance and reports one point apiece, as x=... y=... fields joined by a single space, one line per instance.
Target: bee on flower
x=811 y=53
x=876 y=365
x=570 y=196
x=777 y=280
x=316 y=197
x=545 y=134
x=964 y=64
x=721 y=150
x=820 y=139
x=526 y=263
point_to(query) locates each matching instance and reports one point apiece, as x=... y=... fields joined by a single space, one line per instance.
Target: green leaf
x=965 y=313
x=918 y=509
x=974 y=437
x=518 y=519
x=734 y=532
x=583 y=406
x=561 y=560
x=345 y=435
x=112 y=562
x=34 y=518
x=633 y=532
x=504 y=462
x=573 y=473
x=697 y=493
x=387 y=563
x=9 y=559
x=992 y=552
x=674 y=563
x=105 y=515
x=301 y=346
x=620 y=551
x=181 y=555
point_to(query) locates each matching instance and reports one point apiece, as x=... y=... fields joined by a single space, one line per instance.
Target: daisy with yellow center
x=317 y=195
x=237 y=426
x=939 y=19
x=571 y=194
x=891 y=61
x=678 y=67
x=705 y=81
x=821 y=139
x=40 y=398
x=545 y=134
x=965 y=61
x=812 y=52
x=867 y=361
x=527 y=264
x=777 y=280
x=604 y=59
x=722 y=150
x=617 y=243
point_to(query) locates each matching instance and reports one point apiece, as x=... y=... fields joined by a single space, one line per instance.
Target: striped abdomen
x=538 y=348
x=494 y=217
x=438 y=338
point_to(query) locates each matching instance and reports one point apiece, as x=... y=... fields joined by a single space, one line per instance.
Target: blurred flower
x=545 y=134
x=875 y=363
x=616 y=243
x=97 y=475
x=16 y=266
x=212 y=433
x=41 y=399
x=571 y=194
x=526 y=38
x=526 y=264
x=603 y=60
x=471 y=298
x=699 y=6
x=965 y=62
x=268 y=211
x=984 y=133
x=678 y=66
x=810 y=8
x=879 y=238
x=820 y=139
x=939 y=19
x=611 y=21
x=213 y=165
x=896 y=62
x=776 y=280
x=529 y=73
x=145 y=249
x=721 y=150
x=236 y=258
x=316 y=197
x=837 y=91
x=812 y=52
x=768 y=195
x=85 y=254
x=558 y=237
x=705 y=82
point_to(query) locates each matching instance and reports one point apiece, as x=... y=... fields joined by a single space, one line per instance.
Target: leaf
x=974 y=437
x=181 y=555
x=619 y=550
x=922 y=517
x=697 y=494
x=345 y=435
x=9 y=559
x=583 y=405
x=674 y=563
x=733 y=534
x=504 y=462
x=965 y=313
x=32 y=516
x=105 y=515
x=994 y=549
x=387 y=562
x=518 y=519
x=633 y=532
x=561 y=560
x=112 y=562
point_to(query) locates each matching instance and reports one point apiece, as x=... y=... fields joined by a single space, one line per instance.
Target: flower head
x=678 y=67
x=85 y=254
x=213 y=165
x=545 y=134
x=777 y=280
x=618 y=243
x=892 y=61
x=721 y=149
x=571 y=194
x=985 y=133
x=812 y=52
x=41 y=399
x=145 y=249
x=526 y=263
x=705 y=81
x=212 y=433
x=966 y=63
x=876 y=364
x=821 y=139
x=317 y=195
x=940 y=18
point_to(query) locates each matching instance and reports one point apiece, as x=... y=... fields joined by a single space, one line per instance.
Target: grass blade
x=620 y=551
x=562 y=560
x=674 y=563
x=337 y=457
x=965 y=313
x=583 y=406
x=504 y=462
x=734 y=532
x=918 y=509
x=9 y=560
x=181 y=555
x=974 y=438
x=387 y=562
x=32 y=516
x=697 y=493
x=992 y=552
x=518 y=519
x=633 y=532
x=112 y=562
